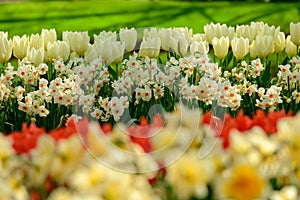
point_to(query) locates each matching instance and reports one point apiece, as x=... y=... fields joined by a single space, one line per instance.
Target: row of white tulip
x=258 y=39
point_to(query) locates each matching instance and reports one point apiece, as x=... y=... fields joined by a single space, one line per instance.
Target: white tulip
x=279 y=42
x=199 y=37
x=36 y=41
x=221 y=46
x=57 y=49
x=150 y=47
x=246 y=31
x=118 y=49
x=36 y=56
x=91 y=53
x=3 y=34
x=262 y=46
x=295 y=33
x=240 y=47
x=152 y=33
x=129 y=37
x=227 y=31
x=105 y=35
x=6 y=47
x=78 y=41
x=105 y=50
x=165 y=37
x=211 y=31
x=182 y=45
x=290 y=47
x=48 y=36
x=199 y=47
x=20 y=46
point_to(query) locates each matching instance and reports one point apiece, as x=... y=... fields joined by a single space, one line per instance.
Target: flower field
x=156 y=113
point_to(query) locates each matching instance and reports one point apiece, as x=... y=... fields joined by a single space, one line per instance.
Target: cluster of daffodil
x=91 y=165
x=46 y=80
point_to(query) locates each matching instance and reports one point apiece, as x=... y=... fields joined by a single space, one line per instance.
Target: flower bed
x=45 y=80
x=172 y=104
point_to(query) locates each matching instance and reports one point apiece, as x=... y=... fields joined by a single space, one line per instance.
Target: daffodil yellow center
x=245 y=184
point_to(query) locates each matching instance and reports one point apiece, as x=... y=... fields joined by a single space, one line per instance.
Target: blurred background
x=20 y=17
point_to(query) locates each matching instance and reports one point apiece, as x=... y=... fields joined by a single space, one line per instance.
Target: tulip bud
x=78 y=41
x=48 y=36
x=20 y=46
x=36 y=41
x=279 y=42
x=240 y=47
x=221 y=46
x=290 y=47
x=58 y=49
x=199 y=47
x=150 y=47
x=295 y=33
x=129 y=38
x=36 y=56
x=6 y=47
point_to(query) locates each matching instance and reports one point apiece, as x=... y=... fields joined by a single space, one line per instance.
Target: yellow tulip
x=240 y=47
x=221 y=46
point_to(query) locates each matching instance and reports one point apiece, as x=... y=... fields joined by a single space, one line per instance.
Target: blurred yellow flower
x=244 y=183
x=189 y=176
